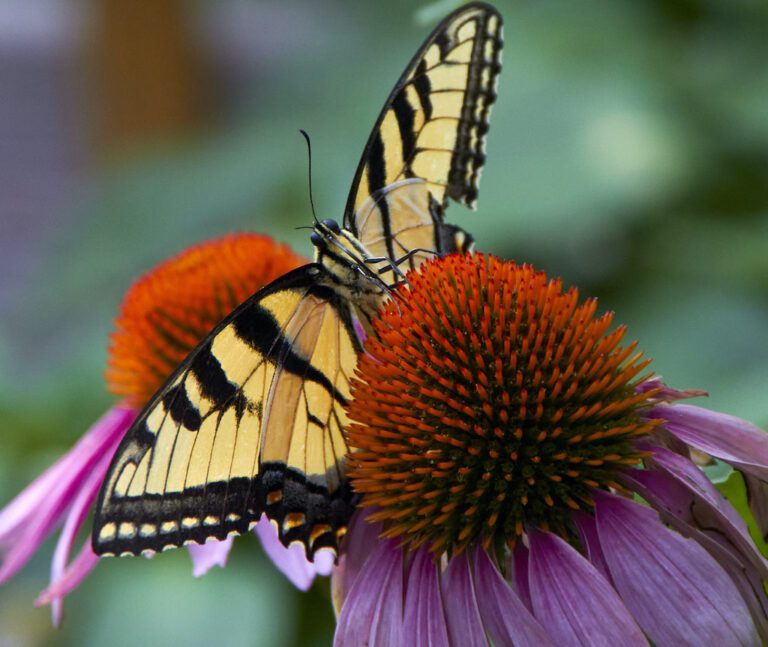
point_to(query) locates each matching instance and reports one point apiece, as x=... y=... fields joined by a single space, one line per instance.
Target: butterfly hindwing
x=434 y=122
x=403 y=222
x=250 y=423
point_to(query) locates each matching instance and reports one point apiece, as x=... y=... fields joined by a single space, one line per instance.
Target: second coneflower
x=163 y=316
x=500 y=430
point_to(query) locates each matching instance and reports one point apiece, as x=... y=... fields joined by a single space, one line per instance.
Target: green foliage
x=733 y=489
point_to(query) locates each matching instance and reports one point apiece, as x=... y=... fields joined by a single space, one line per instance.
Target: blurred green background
x=628 y=154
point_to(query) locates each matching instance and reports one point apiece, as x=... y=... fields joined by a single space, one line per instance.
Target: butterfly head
x=331 y=241
x=348 y=260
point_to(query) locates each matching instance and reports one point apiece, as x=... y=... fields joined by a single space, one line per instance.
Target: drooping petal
x=77 y=514
x=372 y=613
x=16 y=514
x=212 y=553
x=75 y=573
x=424 y=621
x=361 y=540
x=504 y=615
x=461 y=610
x=291 y=561
x=324 y=562
x=692 y=516
x=705 y=507
x=517 y=573
x=27 y=521
x=728 y=438
x=674 y=588
x=587 y=528
x=572 y=601
x=667 y=393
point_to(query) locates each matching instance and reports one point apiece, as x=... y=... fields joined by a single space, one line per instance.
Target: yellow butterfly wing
x=402 y=222
x=251 y=423
x=433 y=124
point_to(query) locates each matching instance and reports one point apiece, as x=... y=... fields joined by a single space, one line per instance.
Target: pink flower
x=499 y=435
x=198 y=287
x=64 y=492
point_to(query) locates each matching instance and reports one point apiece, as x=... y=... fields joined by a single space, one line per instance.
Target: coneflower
x=501 y=432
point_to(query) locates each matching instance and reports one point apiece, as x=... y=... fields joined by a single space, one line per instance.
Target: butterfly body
x=349 y=267
x=252 y=422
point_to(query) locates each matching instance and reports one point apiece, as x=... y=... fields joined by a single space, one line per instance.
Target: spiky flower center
x=489 y=399
x=166 y=312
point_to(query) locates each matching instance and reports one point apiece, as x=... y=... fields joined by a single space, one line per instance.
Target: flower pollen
x=166 y=312
x=490 y=400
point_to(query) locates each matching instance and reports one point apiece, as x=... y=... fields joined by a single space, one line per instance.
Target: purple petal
x=74 y=574
x=113 y=423
x=574 y=603
x=757 y=493
x=506 y=618
x=517 y=573
x=461 y=610
x=359 y=329
x=424 y=622
x=212 y=553
x=325 y=560
x=15 y=515
x=291 y=561
x=29 y=519
x=750 y=587
x=387 y=622
x=666 y=393
x=728 y=438
x=675 y=589
x=373 y=611
x=77 y=514
x=705 y=508
x=587 y=528
x=692 y=516
x=361 y=540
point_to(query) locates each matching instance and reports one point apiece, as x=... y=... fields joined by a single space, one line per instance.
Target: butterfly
x=252 y=422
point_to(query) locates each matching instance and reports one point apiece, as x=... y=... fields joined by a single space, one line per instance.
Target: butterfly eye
x=332 y=225
x=316 y=239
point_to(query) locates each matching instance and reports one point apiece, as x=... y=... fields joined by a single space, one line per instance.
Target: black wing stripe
x=212 y=379
x=405 y=122
x=377 y=170
x=177 y=403
x=423 y=89
x=259 y=329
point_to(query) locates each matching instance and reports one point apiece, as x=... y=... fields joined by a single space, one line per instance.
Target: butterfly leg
x=416 y=250
x=392 y=266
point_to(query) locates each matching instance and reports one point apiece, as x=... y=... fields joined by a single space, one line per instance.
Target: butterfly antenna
x=309 y=153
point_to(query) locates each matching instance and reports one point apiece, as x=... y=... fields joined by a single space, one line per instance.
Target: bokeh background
x=628 y=154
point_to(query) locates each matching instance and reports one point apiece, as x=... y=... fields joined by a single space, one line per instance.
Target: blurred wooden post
x=146 y=79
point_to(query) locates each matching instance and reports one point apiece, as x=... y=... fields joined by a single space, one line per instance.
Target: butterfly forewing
x=251 y=423
x=434 y=123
